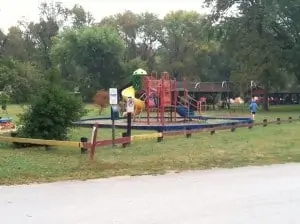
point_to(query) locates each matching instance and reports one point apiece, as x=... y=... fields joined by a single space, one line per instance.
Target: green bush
x=4 y=98
x=50 y=114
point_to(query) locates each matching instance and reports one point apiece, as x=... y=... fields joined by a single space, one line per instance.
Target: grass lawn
x=259 y=146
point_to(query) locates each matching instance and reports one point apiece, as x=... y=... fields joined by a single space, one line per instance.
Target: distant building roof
x=260 y=91
x=203 y=87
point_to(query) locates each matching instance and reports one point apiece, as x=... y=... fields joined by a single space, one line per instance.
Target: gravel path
x=261 y=195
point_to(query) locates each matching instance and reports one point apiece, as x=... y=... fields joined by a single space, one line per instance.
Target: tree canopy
x=238 y=41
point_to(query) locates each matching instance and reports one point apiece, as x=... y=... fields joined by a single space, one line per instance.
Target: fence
x=86 y=146
x=126 y=141
x=41 y=142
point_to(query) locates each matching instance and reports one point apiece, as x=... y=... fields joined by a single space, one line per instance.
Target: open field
x=272 y=144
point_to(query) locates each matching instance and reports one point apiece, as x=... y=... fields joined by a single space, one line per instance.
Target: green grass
x=259 y=146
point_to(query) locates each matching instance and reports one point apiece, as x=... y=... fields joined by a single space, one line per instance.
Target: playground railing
x=180 y=104
x=193 y=100
x=194 y=105
x=143 y=96
x=201 y=106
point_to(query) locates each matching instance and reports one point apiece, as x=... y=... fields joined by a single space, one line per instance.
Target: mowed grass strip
x=259 y=146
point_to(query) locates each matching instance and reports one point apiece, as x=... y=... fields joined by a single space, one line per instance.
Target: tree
x=52 y=17
x=14 y=45
x=149 y=31
x=183 y=40
x=22 y=79
x=80 y=17
x=127 y=25
x=51 y=113
x=4 y=100
x=98 y=50
x=286 y=28
x=101 y=99
x=140 y=33
x=130 y=67
x=252 y=39
x=2 y=41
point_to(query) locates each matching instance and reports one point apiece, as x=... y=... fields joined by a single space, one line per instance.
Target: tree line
x=258 y=41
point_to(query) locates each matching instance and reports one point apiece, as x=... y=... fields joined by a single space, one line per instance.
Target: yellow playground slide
x=139 y=105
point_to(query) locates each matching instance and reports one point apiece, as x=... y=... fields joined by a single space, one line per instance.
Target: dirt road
x=244 y=195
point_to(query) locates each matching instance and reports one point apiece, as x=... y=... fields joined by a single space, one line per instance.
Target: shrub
x=50 y=114
x=4 y=98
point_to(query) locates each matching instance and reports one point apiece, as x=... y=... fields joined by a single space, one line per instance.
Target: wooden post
x=233 y=127
x=124 y=134
x=129 y=123
x=93 y=142
x=265 y=123
x=188 y=133
x=161 y=138
x=83 y=149
x=147 y=99
x=278 y=120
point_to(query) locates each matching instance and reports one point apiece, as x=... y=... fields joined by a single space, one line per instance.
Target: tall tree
x=97 y=50
x=80 y=17
x=252 y=41
x=2 y=41
x=127 y=25
x=52 y=18
x=21 y=79
x=149 y=32
x=14 y=45
x=184 y=34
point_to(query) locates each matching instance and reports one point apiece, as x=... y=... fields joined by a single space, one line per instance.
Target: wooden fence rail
x=41 y=142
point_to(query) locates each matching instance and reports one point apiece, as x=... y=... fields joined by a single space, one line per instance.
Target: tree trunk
x=266 y=97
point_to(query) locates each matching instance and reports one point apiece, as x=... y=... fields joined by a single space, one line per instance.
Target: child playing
x=253 y=108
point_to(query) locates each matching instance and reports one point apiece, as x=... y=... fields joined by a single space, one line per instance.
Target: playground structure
x=6 y=124
x=160 y=106
x=160 y=95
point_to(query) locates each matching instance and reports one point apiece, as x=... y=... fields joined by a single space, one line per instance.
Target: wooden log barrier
x=188 y=133
x=160 y=138
x=41 y=142
x=233 y=127
x=124 y=134
x=265 y=123
x=108 y=142
x=146 y=136
x=83 y=148
x=124 y=140
x=278 y=120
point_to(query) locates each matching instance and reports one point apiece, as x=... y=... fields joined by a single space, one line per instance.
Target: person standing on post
x=253 y=108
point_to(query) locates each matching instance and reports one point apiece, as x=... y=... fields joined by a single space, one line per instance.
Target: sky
x=13 y=10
